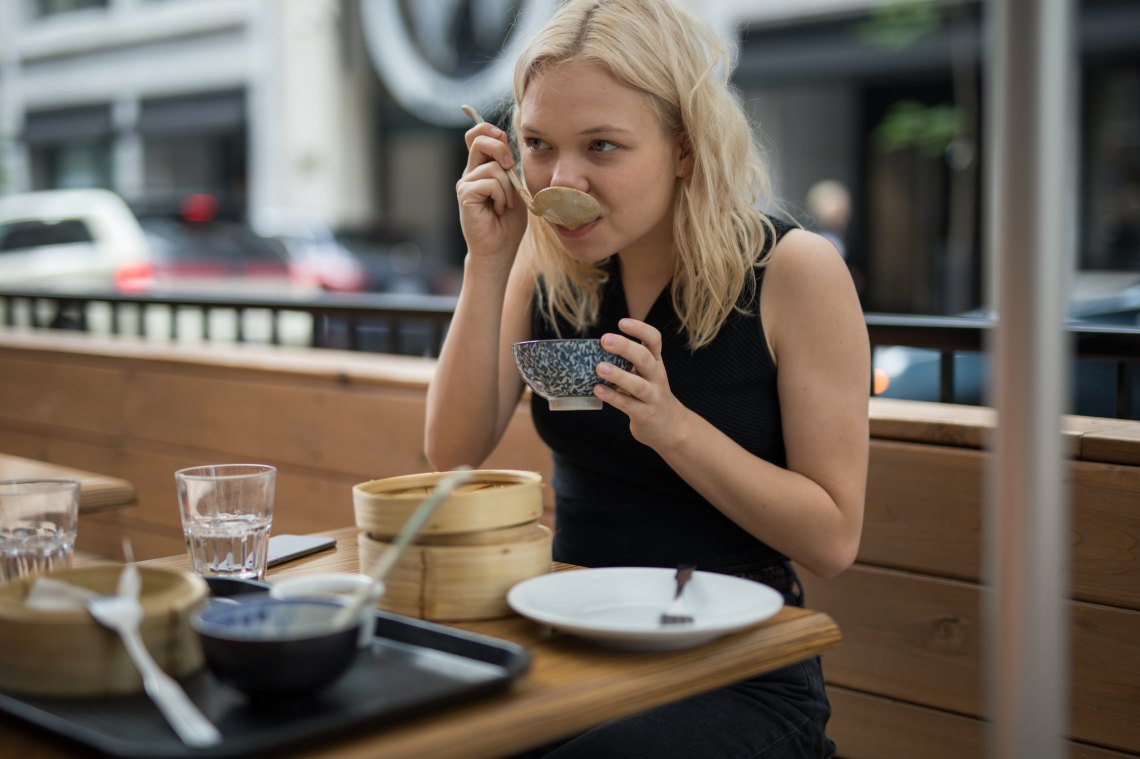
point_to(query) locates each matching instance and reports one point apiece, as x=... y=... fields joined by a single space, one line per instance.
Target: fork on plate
x=678 y=612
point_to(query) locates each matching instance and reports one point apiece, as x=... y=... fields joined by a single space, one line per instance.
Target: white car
x=69 y=239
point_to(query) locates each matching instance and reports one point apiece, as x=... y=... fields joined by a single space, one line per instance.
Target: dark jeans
x=780 y=715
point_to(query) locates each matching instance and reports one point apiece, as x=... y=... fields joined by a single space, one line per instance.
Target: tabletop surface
x=96 y=491
x=572 y=684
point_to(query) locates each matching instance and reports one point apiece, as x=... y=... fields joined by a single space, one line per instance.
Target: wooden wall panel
x=1106 y=533
x=924 y=513
x=866 y=726
x=302 y=422
x=322 y=431
x=905 y=637
x=919 y=639
x=68 y=395
x=923 y=508
x=906 y=681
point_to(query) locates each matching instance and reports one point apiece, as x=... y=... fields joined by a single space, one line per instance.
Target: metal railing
x=416 y=325
x=378 y=322
x=952 y=336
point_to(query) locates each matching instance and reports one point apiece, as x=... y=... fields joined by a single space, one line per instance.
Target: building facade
x=347 y=110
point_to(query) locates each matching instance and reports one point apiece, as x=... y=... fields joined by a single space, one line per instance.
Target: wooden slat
x=1106 y=533
x=923 y=508
x=1118 y=444
x=64 y=395
x=948 y=424
x=866 y=726
x=919 y=639
x=305 y=423
x=923 y=422
x=924 y=513
x=341 y=366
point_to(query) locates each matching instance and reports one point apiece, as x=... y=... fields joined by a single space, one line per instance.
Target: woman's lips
x=574 y=234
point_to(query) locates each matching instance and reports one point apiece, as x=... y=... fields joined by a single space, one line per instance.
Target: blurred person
x=739 y=441
x=829 y=203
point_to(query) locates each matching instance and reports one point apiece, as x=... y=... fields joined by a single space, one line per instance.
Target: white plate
x=621 y=606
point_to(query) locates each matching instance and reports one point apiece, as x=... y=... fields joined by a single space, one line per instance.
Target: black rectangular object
x=411 y=667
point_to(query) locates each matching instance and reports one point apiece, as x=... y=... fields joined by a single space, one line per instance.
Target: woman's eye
x=602 y=146
x=533 y=143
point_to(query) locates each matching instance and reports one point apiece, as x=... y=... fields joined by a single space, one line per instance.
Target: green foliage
x=909 y=124
x=900 y=23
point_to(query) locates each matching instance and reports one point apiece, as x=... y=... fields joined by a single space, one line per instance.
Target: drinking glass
x=38 y=519
x=227 y=510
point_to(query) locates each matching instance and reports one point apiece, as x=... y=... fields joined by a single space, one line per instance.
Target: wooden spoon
x=563 y=206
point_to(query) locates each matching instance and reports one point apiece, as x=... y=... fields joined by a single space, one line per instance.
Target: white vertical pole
x=1032 y=126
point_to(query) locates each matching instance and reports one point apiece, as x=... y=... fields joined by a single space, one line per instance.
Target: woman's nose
x=569 y=173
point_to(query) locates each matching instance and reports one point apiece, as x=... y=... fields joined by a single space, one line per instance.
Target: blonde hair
x=680 y=63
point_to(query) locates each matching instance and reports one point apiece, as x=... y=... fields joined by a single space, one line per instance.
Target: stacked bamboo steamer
x=483 y=538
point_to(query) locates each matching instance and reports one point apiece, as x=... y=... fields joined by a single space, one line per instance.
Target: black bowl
x=276 y=647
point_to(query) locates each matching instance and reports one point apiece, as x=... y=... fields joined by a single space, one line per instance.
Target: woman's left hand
x=643 y=394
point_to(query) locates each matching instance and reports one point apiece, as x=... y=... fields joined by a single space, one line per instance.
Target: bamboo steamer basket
x=465 y=576
x=66 y=653
x=492 y=499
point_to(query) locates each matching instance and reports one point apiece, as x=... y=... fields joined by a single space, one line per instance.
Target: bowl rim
x=554 y=340
x=208 y=629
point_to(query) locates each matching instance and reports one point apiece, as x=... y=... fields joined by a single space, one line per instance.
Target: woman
x=739 y=440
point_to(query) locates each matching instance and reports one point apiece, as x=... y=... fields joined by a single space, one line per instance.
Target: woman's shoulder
x=804 y=259
x=807 y=287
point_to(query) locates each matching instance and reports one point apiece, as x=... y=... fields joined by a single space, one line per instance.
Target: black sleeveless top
x=618 y=502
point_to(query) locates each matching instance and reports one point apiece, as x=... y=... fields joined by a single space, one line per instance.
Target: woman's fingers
x=482 y=148
x=486 y=182
x=641 y=344
x=489 y=158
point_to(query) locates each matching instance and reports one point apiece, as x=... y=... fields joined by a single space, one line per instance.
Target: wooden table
x=572 y=685
x=96 y=491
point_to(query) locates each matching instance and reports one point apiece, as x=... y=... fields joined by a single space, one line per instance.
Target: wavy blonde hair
x=679 y=62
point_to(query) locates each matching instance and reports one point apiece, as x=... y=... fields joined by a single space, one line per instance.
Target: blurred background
x=314 y=144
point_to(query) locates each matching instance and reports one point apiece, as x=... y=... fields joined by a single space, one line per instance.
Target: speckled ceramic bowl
x=564 y=372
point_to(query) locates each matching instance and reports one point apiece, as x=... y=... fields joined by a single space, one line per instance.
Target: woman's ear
x=685 y=158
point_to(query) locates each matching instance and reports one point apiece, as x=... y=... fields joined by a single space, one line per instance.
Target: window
x=41 y=8
x=64 y=165
x=19 y=235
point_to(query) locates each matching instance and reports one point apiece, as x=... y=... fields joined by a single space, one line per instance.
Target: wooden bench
x=907 y=681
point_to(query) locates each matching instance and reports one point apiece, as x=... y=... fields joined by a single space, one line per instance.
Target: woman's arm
x=812 y=511
x=475 y=389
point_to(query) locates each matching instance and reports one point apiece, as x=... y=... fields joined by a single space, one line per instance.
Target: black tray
x=411 y=666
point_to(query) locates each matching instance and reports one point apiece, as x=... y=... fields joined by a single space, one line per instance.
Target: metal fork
x=678 y=612
x=122 y=613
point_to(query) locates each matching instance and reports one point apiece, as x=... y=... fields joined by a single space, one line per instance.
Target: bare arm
x=475 y=389
x=812 y=511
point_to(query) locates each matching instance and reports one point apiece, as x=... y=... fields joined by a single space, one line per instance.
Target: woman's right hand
x=491 y=213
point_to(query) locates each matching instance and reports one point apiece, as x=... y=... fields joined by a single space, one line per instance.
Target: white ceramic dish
x=333 y=586
x=621 y=607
